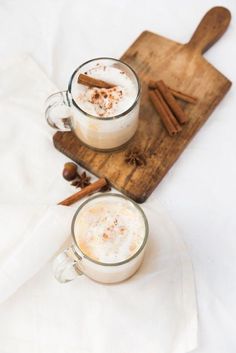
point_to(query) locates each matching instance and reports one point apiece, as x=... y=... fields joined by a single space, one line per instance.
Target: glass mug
x=100 y=133
x=72 y=262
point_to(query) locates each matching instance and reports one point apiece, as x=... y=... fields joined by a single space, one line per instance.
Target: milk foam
x=109 y=229
x=111 y=101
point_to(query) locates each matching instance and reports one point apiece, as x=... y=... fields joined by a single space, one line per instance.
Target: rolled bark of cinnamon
x=168 y=119
x=177 y=94
x=96 y=186
x=93 y=82
x=183 y=96
x=170 y=100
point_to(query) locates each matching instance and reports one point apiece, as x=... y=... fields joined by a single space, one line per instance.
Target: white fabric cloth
x=33 y=227
x=154 y=310
x=199 y=190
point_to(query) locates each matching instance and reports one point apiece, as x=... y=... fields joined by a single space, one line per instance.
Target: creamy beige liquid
x=103 y=130
x=109 y=229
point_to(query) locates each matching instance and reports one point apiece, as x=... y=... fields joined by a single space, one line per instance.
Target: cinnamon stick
x=96 y=186
x=172 y=103
x=168 y=111
x=183 y=96
x=152 y=84
x=168 y=119
x=93 y=82
x=177 y=94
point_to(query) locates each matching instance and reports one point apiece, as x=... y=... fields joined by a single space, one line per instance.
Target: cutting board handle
x=210 y=29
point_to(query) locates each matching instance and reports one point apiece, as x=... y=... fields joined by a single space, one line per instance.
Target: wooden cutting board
x=182 y=67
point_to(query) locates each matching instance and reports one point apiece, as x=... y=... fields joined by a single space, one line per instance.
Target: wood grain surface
x=182 y=67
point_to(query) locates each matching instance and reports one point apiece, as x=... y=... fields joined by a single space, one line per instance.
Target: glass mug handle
x=65 y=265
x=58 y=112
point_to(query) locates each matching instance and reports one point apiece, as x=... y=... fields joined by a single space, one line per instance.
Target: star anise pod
x=75 y=182
x=81 y=181
x=135 y=157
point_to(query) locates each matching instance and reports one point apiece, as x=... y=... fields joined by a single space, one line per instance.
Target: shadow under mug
x=72 y=262
x=100 y=133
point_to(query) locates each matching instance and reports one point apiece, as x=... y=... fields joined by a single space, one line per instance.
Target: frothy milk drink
x=105 y=104
x=111 y=230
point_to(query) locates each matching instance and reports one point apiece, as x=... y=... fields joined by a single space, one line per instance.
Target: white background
x=199 y=192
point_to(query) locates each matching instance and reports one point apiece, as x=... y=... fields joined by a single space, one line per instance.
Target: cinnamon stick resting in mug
x=93 y=82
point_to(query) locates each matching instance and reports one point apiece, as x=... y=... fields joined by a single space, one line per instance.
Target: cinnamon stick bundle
x=93 y=82
x=172 y=103
x=177 y=94
x=165 y=113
